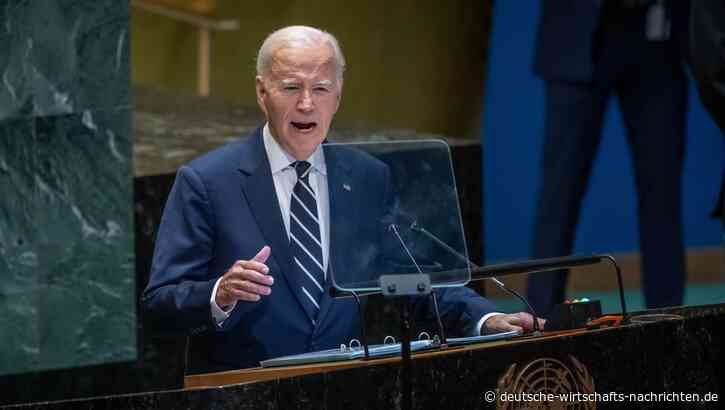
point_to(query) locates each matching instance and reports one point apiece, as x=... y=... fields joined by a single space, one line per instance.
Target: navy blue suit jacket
x=223 y=207
x=567 y=45
x=565 y=40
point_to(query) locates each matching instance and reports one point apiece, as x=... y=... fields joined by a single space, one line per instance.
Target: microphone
x=394 y=229
x=491 y=271
x=417 y=228
x=551 y=264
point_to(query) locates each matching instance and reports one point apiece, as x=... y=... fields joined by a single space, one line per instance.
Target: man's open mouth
x=304 y=125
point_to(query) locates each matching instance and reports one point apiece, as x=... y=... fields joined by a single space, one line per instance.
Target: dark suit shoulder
x=353 y=157
x=226 y=156
x=248 y=149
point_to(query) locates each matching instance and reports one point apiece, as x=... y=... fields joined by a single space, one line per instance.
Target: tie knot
x=302 y=168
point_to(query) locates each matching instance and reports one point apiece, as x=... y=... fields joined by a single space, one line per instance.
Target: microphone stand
x=422 y=287
x=532 y=266
x=401 y=288
x=392 y=290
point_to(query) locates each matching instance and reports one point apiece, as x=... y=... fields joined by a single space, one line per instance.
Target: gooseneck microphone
x=417 y=228
x=394 y=228
x=531 y=266
x=503 y=269
x=551 y=264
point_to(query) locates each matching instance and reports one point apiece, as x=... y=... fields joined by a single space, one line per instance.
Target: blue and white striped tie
x=305 y=238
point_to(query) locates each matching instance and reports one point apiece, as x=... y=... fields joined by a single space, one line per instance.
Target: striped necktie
x=305 y=238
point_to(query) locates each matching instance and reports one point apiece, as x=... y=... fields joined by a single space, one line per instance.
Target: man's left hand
x=508 y=322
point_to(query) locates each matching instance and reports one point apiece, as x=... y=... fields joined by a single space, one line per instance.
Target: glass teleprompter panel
x=394 y=210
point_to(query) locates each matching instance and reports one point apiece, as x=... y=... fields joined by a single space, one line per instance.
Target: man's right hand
x=245 y=280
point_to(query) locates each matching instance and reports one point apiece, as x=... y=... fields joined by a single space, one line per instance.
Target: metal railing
x=204 y=25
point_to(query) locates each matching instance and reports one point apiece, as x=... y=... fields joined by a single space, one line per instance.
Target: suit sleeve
x=461 y=308
x=177 y=296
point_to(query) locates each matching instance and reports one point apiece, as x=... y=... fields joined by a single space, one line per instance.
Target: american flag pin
x=346 y=187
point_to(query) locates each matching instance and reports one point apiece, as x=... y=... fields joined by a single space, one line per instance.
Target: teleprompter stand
x=401 y=288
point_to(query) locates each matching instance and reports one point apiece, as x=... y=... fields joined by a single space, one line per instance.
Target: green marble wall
x=67 y=292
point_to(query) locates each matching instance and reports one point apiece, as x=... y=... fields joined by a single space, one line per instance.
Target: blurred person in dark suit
x=707 y=55
x=587 y=51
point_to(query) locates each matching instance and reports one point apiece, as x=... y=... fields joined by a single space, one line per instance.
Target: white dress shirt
x=285 y=178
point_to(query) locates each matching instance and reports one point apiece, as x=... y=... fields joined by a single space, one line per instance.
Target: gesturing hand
x=245 y=280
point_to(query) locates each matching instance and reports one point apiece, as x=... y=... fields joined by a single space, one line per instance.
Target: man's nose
x=305 y=102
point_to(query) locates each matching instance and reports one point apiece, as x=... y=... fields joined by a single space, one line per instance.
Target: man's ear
x=261 y=93
x=339 y=96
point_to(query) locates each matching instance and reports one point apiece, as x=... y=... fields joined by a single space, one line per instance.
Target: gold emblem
x=546 y=383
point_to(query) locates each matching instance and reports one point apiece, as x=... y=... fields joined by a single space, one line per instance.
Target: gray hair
x=298 y=36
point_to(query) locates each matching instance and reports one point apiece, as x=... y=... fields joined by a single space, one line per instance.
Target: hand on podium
x=521 y=321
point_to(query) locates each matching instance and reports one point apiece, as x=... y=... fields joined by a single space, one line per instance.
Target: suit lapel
x=340 y=186
x=258 y=189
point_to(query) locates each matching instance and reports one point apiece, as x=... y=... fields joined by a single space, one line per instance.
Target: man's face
x=299 y=95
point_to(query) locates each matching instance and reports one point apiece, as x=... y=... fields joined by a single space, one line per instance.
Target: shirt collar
x=279 y=159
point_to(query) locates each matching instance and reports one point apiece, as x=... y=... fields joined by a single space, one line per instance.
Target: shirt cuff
x=479 y=326
x=219 y=314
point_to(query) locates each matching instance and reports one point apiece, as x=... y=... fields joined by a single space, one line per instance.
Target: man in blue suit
x=587 y=50
x=251 y=231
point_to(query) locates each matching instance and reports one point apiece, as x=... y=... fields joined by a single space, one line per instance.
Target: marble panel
x=86 y=309
x=67 y=297
x=60 y=57
x=18 y=259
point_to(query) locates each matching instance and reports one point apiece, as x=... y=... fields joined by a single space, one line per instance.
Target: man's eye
x=322 y=89
x=291 y=88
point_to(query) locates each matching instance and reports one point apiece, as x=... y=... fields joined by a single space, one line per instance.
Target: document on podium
x=345 y=353
x=458 y=341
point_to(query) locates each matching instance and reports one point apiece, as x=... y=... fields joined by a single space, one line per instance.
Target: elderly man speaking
x=251 y=230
